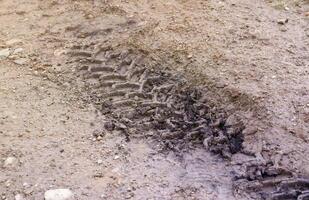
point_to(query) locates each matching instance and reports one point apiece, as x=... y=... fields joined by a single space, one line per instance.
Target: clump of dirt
x=266 y=181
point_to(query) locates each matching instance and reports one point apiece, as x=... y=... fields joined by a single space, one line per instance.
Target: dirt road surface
x=154 y=99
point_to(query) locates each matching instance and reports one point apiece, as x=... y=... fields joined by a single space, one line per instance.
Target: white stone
x=18 y=50
x=10 y=162
x=59 y=194
x=19 y=197
x=100 y=161
x=4 y=53
x=59 y=52
x=21 y=61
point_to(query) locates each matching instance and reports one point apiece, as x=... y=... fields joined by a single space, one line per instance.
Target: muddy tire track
x=151 y=101
x=146 y=100
x=159 y=103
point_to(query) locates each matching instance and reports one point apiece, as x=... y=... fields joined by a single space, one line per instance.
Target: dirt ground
x=248 y=59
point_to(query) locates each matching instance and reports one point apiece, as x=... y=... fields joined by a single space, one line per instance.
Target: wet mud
x=140 y=100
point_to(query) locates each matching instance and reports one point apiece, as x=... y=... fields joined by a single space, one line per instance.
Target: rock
x=20 y=61
x=59 y=194
x=282 y=21
x=4 y=53
x=13 y=41
x=19 y=197
x=98 y=133
x=100 y=161
x=18 y=50
x=206 y=143
x=10 y=162
x=283 y=29
x=59 y=52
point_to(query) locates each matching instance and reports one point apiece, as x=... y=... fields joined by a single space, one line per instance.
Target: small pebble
x=18 y=50
x=10 y=162
x=20 y=61
x=59 y=194
x=59 y=52
x=4 y=53
x=282 y=21
x=19 y=197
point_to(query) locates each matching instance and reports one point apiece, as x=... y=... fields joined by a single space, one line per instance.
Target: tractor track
x=157 y=102
x=138 y=99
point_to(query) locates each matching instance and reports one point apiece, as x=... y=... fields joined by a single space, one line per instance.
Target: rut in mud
x=152 y=101
x=158 y=103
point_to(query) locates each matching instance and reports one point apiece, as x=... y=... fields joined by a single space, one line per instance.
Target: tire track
x=132 y=95
x=160 y=103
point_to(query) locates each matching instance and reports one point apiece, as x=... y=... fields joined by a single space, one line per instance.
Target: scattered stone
x=59 y=194
x=4 y=53
x=282 y=21
x=99 y=138
x=8 y=183
x=10 y=162
x=59 y=52
x=19 y=197
x=18 y=50
x=100 y=161
x=110 y=126
x=98 y=133
x=13 y=42
x=206 y=143
x=283 y=29
x=20 y=61
x=25 y=185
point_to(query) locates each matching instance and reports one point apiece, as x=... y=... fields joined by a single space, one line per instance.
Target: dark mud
x=264 y=180
x=155 y=102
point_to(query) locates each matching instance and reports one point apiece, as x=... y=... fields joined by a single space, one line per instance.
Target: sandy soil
x=252 y=57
